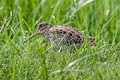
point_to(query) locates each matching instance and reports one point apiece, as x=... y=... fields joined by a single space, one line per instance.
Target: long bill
x=34 y=34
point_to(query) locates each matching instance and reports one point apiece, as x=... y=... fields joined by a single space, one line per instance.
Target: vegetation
x=37 y=60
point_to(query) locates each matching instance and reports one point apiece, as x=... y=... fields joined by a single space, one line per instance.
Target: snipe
x=63 y=35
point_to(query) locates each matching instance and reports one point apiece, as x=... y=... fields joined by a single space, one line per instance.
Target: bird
x=62 y=35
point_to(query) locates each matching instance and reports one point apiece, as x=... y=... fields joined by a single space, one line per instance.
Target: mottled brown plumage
x=64 y=35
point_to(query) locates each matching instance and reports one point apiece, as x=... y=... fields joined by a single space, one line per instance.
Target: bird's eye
x=40 y=25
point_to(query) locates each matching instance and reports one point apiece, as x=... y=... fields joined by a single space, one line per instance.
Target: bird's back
x=65 y=35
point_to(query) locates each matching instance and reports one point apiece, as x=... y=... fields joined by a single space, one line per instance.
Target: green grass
x=36 y=60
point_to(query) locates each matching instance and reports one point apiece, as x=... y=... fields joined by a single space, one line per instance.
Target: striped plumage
x=64 y=35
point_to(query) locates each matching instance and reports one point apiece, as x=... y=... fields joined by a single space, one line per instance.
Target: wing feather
x=65 y=34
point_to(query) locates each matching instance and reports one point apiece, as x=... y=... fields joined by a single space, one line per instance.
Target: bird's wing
x=69 y=34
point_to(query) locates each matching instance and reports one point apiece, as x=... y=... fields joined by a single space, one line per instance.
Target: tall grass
x=36 y=60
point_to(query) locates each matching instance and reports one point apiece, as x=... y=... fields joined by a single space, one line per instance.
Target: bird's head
x=43 y=27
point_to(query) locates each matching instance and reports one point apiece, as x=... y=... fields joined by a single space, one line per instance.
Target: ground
x=37 y=60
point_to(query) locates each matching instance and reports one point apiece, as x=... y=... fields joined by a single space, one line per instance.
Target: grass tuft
x=37 y=60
